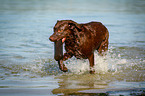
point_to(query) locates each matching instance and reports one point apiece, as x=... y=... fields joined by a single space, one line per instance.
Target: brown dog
x=81 y=40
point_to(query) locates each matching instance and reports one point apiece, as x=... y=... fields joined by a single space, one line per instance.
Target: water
x=27 y=65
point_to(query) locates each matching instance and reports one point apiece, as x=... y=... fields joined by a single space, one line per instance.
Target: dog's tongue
x=63 y=39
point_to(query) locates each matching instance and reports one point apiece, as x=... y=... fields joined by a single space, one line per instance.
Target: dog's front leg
x=67 y=56
x=91 y=61
x=62 y=66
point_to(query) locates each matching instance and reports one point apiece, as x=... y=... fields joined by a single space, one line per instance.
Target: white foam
x=103 y=64
x=81 y=66
x=77 y=66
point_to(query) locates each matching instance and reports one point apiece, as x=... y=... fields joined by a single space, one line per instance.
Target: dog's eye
x=59 y=30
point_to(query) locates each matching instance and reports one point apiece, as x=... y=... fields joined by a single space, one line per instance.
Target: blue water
x=26 y=53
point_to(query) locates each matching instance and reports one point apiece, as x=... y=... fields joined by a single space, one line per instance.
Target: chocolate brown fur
x=81 y=39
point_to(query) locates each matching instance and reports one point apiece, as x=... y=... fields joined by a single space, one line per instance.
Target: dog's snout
x=51 y=38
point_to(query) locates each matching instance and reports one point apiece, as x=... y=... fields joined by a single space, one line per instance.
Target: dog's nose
x=51 y=38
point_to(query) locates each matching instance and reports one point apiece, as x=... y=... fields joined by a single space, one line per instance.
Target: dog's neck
x=73 y=37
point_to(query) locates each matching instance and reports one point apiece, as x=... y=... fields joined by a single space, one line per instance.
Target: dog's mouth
x=56 y=39
x=63 y=39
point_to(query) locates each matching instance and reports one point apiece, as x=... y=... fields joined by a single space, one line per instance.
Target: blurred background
x=26 y=52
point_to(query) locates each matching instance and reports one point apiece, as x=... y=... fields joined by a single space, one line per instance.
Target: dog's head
x=62 y=29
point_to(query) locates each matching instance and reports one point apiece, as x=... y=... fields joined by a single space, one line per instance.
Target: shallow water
x=27 y=65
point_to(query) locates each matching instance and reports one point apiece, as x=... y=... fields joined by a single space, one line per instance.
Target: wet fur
x=81 y=39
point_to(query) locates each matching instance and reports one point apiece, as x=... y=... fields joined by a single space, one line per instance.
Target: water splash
x=114 y=62
x=102 y=64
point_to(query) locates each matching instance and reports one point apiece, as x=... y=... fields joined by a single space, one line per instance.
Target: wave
x=114 y=63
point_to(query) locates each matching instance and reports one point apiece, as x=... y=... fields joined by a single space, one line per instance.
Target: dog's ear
x=72 y=26
x=58 y=20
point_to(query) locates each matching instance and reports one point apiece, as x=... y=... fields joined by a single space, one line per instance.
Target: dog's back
x=88 y=39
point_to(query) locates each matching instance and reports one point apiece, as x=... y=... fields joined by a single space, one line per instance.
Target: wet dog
x=81 y=40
